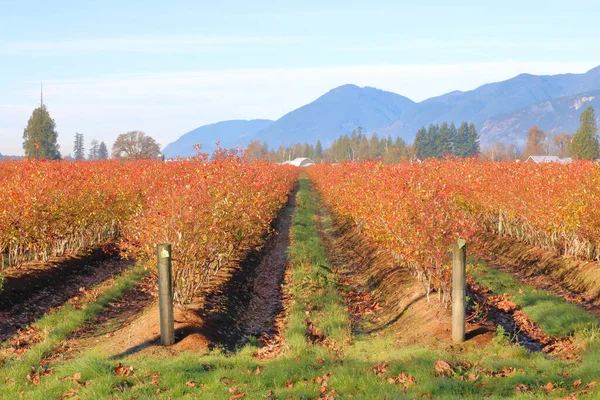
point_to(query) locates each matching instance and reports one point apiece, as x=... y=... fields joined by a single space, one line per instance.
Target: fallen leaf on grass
x=259 y=369
x=123 y=371
x=268 y=395
x=155 y=378
x=226 y=381
x=521 y=388
x=504 y=303
x=444 y=368
x=591 y=385
x=289 y=384
x=577 y=383
x=403 y=378
x=548 y=387
x=34 y=378
x=380 y=369
x=71 y=393
x=190 y=384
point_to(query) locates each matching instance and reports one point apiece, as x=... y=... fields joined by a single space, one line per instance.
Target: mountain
x=502 y=111
x=498 y=98
x=338 y=112
x=229 y=133
x=557 y=115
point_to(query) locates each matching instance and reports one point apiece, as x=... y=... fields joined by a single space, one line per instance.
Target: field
x=327 y=282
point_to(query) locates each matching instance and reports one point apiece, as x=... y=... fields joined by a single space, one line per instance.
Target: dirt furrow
x=28 y=295
x=252 y=300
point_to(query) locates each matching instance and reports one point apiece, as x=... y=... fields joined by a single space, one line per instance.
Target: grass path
x=324 y=359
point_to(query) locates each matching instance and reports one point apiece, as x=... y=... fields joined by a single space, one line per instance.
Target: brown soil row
x=245 y=299
x=382 y=295
x=34 y=289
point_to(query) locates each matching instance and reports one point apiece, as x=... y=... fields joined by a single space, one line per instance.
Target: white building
x=547 y=159
x=300 y=162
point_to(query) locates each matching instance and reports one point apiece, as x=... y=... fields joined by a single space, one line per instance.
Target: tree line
x=583 y=144
x=354 y=147
x=441 y=140
x=40 y=142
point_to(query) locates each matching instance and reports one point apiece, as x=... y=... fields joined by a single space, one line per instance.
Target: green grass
x=313 y=287
x=552 y=314
x=57 y=325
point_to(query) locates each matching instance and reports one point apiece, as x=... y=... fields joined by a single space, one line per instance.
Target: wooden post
x=459 y=304
x=165 y=295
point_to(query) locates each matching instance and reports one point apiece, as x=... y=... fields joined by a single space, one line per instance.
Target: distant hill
x=557 y=115
x=503 y=111
x=338 y=112
x=494 y=99
x=11 y=157
x=229 y=133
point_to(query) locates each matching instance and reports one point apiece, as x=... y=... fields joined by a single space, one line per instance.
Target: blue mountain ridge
x=229 y=134
x=502 y=111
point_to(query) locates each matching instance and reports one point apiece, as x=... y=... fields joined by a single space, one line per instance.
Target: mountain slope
x=557 y=115
x=337 y=112
x=510 y=95
x=229 y=133
x=506 y=108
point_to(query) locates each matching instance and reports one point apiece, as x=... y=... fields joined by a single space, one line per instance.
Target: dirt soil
x=249 y=301
x=33 y=289
x=383 y=295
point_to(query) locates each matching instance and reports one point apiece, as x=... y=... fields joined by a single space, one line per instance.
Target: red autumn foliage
x=210 y=212
x=418 y=210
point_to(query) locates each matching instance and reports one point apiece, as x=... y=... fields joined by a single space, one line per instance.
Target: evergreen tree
x=78 y=150
x=374 y=151
x=318 y=151
x=40 y=136
x=452 y=136
x=461 y=145
x=344 y=152
x=93 y=152
x=445 y=145
x=473 y=141
x=102 y=151
x=420 y=144
x=363 y=149
x=585 y=142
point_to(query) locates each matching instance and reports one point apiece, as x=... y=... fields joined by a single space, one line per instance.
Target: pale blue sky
x=166 y=67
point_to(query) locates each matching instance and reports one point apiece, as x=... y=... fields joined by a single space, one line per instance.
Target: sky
x=167 y=67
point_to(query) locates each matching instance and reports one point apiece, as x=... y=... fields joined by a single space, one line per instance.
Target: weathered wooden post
x=459 y=304
x=165 y=295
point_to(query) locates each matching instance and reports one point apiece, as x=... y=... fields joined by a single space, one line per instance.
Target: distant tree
x=444 y=144
x=535 y=145
x=585 y=142
x=135 y=145
x=562 y=144
x=93 y=152
x=374 y=147
x=439 y=140
x=256 y=150
x=40 y=136
x=318 y=151
x=102 y=151
x=500 y=152
x=363 y=150
x=472 y=141
x=421 y=145
x=452 y=136
x=461 y=146
x=78 y=150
